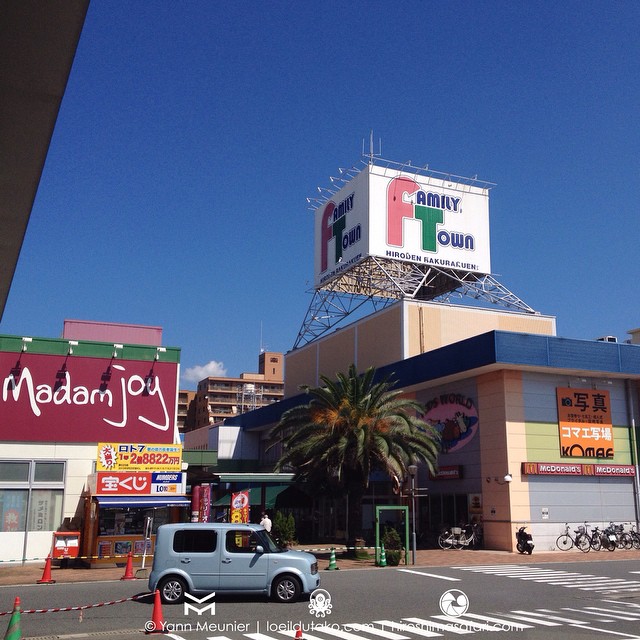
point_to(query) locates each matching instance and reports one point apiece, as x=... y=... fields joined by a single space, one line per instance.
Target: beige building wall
x=374 y=341
x=402 y=330
x=337 y=354
x=635 y=336
x=432 y=325
x=503 y=447
x=380 y=340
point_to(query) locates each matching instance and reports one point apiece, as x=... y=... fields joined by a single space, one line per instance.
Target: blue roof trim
x=494 y=347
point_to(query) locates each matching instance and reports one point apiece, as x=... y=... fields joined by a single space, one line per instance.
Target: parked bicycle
x=635 y=536
x=618 y=535
x=602 y=540
x=466 y=537
x=581 y=541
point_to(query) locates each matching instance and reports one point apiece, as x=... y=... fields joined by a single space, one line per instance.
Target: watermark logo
x=211 y=606
x=320 y=603
x=454 y=603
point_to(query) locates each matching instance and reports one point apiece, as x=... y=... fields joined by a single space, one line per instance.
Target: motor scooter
x=524 y=541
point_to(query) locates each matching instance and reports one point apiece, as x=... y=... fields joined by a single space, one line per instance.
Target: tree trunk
x=355 y=493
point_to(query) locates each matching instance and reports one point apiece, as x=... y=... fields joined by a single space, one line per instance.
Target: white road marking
x=430 y=575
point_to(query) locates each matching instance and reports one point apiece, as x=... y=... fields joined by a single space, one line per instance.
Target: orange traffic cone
x=46 y=574
x=156 y=624
x=298 y=633
x=128 y=572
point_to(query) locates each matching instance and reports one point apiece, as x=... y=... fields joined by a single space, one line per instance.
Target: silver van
x=197 y=558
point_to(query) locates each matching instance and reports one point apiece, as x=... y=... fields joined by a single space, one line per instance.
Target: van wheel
x=172 y=590
x=286 y=589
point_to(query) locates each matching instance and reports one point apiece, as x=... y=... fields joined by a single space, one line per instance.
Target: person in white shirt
x=266 y=522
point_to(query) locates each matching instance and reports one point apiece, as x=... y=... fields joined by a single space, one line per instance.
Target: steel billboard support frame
x=376 y=283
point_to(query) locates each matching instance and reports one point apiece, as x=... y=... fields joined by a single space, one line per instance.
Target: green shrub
x=392 y=546
x=284 y=527
x=391 y=539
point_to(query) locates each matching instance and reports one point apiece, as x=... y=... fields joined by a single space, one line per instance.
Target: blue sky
x=190 y=134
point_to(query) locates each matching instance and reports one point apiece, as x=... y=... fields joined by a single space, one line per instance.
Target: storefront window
x=120 y=522
x=13 y=509
x=31 y=495
x=48 y=472
x=45 y=510
x=14 y=471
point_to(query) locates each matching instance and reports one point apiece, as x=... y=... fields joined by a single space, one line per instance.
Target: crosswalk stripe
x=438 y=625
x=418 y=630
x=546 y=613
x=525 y=618
x=626 y=636
x=512 y=625
x=489 y=568
x=476 y=626
x=390 y=635
x=307 y=636
x=583 y=582
x=603 y=614
x=338 y=633
x=628 y=615
x=606 y=589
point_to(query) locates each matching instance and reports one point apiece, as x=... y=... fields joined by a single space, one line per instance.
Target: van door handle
x=185 y=560
x=226 y=561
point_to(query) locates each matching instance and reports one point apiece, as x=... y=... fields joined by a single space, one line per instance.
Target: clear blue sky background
x=191 y=133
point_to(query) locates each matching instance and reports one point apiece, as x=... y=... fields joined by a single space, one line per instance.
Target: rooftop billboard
x=400 y=215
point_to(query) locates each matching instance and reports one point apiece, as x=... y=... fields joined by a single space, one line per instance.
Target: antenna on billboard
x=371 y=155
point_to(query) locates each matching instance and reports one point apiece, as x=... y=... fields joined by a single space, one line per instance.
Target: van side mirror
x=259 y=548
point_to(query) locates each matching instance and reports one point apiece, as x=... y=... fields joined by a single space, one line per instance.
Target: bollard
x=383 y=557
x=333 y=565
x=13 y=631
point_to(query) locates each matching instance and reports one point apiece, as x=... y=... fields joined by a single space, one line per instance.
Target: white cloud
x=199 y=372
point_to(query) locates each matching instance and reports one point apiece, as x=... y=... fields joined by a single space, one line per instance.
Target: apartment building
x=186 y=410
x=218 y=398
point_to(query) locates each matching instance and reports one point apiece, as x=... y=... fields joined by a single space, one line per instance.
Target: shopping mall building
x=536 y=430
x=556 y=416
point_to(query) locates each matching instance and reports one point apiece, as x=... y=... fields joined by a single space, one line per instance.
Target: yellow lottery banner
x=240 y=507
x=119 y=456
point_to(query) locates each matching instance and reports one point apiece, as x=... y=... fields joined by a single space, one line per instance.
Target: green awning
x=255 y=477
x=255 y=496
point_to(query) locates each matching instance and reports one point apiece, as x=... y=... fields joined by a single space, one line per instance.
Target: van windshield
x=268 y=542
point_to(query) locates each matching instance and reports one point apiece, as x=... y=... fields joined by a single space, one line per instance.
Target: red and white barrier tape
x=80 y=608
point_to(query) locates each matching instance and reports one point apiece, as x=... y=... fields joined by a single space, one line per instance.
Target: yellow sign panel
x=584 y=421
x=118 y=456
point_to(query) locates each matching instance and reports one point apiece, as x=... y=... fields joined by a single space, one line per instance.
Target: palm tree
x=350 y=429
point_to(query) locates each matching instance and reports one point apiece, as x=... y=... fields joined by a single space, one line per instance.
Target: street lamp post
x=413 y=471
